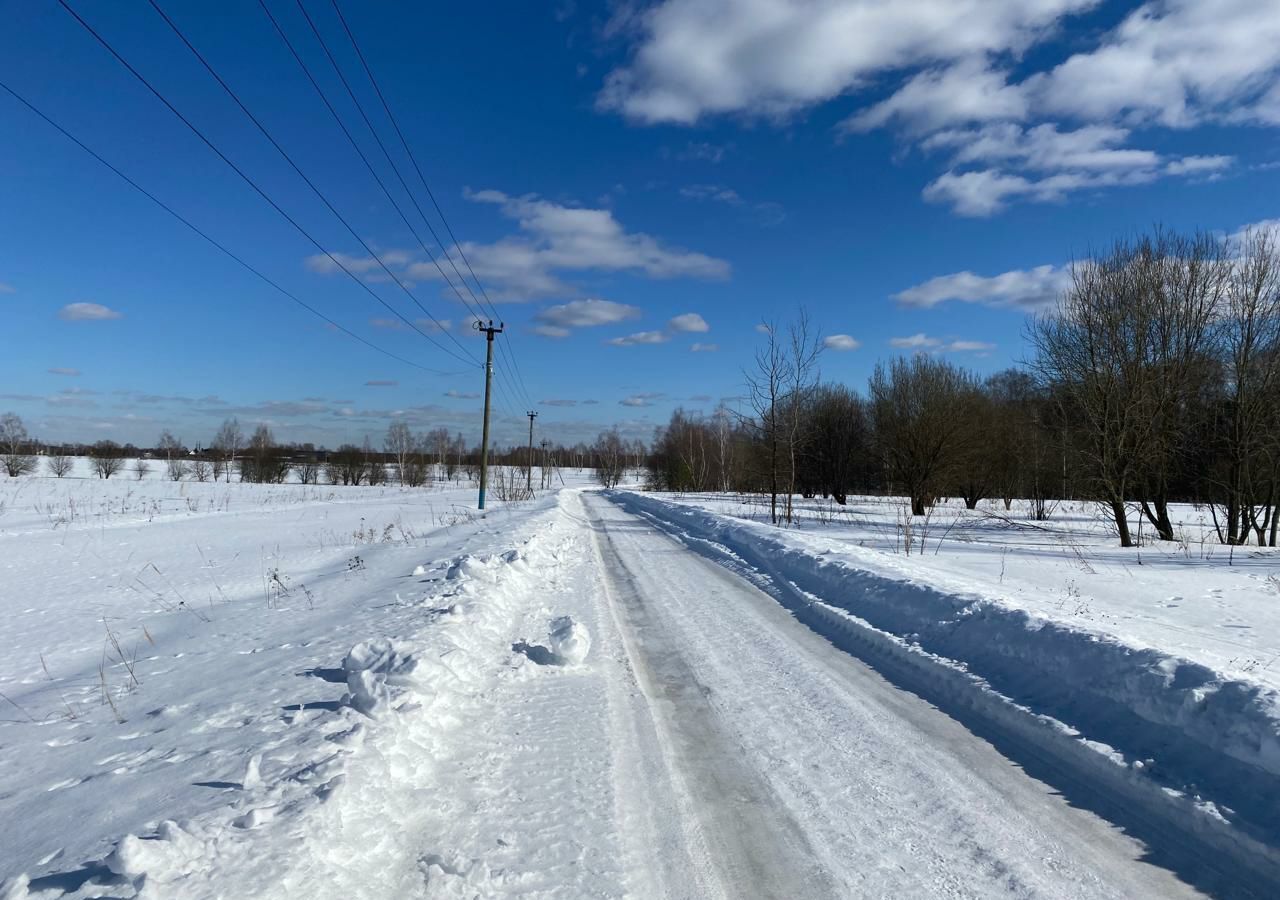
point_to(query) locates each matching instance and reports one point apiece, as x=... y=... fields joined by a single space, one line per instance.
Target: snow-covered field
x=232 y=690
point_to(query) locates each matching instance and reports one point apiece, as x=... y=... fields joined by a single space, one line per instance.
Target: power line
x=171 y=211
x=287 y=158
x=421 y=177
x=263 y=194
x=354 y=144
x=387 y=156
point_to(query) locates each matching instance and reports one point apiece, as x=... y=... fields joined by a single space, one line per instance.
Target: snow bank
x=345 y=778
x=1166 y=727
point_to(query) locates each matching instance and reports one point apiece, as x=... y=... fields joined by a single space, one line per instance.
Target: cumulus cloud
x=704 y=348
x=688 y=322
x=61 y=371
x=1026 y=289
x=645 y=399
x=553 y=239
x=557 y=321
x=924 y=343
x=841 y=342
x=1049 y=163
x=88 y=312
x=462 y=395
x=702 y=57
x=1033 y=137
x=640 y=337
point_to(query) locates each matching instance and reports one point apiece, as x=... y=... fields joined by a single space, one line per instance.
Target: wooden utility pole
x=489 y=331
x=528 y=470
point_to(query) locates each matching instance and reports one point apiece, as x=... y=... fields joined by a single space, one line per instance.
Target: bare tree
x=1124 y=344
x=804 y=346
x=59 y=463
x=227 y=443
x=307 y=470
x=15 y=447
x=175 y=462
x=611 y=458
x=918 y=409
x=140 y=468
x=400 y=445
x=263 y=461
x=107 y=458
x=766 y=386
x=201 y=470
x=1246 y=443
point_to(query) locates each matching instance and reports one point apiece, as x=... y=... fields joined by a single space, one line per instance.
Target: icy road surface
x=790 y=769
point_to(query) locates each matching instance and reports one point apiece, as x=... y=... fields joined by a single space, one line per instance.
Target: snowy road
x=791 y=769
x=398 y=724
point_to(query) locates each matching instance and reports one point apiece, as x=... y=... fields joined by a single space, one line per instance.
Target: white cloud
x=641 y=337
x=916 y=341
x=557 y=402
x=1062 y=130
x=1174 y=62
x=381 y=383
x=1089 y=157
x=6 y=288
x=841 y=342
x=551 y=331
x=553 y=239
x=772 y=57
x=923 y=343
x=388 y=324
x=586 y=313
x=462 y=395
x=60 y=371
x=1026 y=289
x=936 y=98
x=645 y=399
x=688 y=322
x=578 y=238
x=704 y=348
x=763 y=328
x=87 y=312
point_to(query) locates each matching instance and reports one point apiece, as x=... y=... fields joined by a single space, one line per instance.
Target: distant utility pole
x=528 y=473
x=489 y=331
x=546 y=480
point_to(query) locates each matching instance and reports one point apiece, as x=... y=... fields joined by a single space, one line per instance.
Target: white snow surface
x=225 y=690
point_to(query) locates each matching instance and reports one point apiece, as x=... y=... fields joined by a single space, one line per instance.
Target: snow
x=227 y=690
x=570 y=641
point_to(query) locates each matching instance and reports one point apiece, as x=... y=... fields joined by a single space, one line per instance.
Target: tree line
x=406 y=458
x=1154 y=379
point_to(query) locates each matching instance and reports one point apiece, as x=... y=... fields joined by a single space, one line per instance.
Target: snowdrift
x=1164 y=730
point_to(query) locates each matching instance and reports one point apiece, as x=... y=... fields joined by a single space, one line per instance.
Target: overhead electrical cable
x=195 y=228
x=359 y=152
x=421 y=176
x=288 y=159
x=240 y=172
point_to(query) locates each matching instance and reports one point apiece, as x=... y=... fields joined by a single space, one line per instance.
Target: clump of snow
x=570 y=641
x=372 y=669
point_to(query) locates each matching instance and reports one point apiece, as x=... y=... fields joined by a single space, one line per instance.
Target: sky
x=630 y=188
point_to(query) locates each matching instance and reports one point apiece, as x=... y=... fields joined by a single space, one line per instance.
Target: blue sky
x=629 y=181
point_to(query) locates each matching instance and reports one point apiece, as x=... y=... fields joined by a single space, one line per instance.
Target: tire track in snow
x=895 y=797
x=740 y=834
